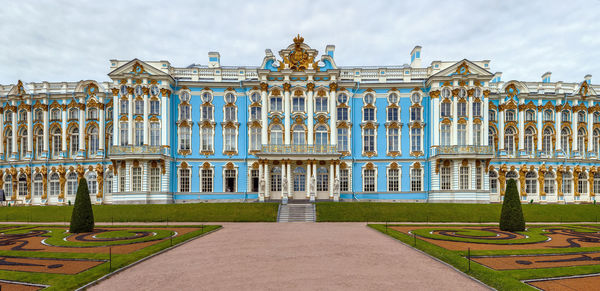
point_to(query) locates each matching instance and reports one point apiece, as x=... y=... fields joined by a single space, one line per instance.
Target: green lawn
x=450 y=212
x=200 y=212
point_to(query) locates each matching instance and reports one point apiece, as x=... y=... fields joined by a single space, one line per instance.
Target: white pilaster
x=64 y=132
x=486 y=121
x=116 y=123
x=501 y=129
x=470 y=121
x=539 y=124
x=130 y=120
x=454 y=127
x=574 y=122
x=557 y=127
x=264 y=137
x=521 y=126
x=29 y=129
x=146 y=125
x=308 y=176
x=2 y=132
x=436 y=121
x=45 y=133
x=165 y=116
x=15 y=116
x=267 y=181
x=590 y=128
x=101 y=128
x=82 y=128
x=311 y=119
x=333 y=115
x=289 y=177
x=331 y=173
x=287 y=117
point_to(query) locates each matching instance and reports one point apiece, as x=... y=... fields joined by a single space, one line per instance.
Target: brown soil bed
x=5 y=286
x=55 y=266
x=560 y=238
x=33 y=242
x=539 y=261
x=581 y=283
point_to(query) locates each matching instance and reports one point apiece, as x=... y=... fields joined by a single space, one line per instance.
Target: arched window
x=73 y=113
x=276 y=135
x=92 y=181
x=445 y=134
x=582 y=183
x=581 y=116
x=299 y=135
x=276 y=179
x=8 y=185
x=547 y=140
x=71 y=183
x=493 y=182
x=549 y=180
x=510 y=115
x=321 y=104
x=74 y=141
x=38 y=137
x=136 y=179
x=109 y=136
x=529 y=115
x=23 y=145
x=581 y=137
x=529 y=135
x=299 y=179
x=38 y=185
x=321 y=136
x=92 y=140
x=509 y=140
x=298 y=104
x=565 y=115
x=596 y=143
x=567 y=183
x=108 y=182
x=22 y=185
x=54 y=184
x=184 y=180
x=22 y=115
x=548 y=115
x=530 y=183
x=55 y=146
x=565 y=135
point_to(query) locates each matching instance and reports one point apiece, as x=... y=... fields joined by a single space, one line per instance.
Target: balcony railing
x=461 y=150
x=299 y=149
x=138 y=150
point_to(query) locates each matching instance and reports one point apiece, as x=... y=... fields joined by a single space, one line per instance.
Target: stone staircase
x=296 y=213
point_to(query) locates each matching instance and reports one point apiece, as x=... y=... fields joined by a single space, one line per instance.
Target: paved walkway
x=291 y=256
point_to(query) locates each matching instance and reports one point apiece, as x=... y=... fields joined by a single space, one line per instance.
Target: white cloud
x=73 y=40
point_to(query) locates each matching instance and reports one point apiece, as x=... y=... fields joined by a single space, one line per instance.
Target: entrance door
x=299 y=180
x=254 y=181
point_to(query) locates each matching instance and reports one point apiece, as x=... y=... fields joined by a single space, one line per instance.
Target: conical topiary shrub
x=511 y=218
x=82 y=219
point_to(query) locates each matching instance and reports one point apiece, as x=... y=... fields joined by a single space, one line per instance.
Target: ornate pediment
x=298 y=56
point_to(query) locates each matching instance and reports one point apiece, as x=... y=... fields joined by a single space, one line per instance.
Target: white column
x=331 y=173
x=261 y=173
x=146 y=125
x=15 y=115
x=557 y=125
x=311 y=113
x=574 y=121
x=436 y=121
x=286 y=122
x=264 y=136
x=333 y=113
x=308 y=175
x=539 y=127
x=470 y=120
x=64 y=131
x=130 y=123
x=267 y=181
x=45 y=133
x=590 y=128
x=165 y=117
x=486 y=121
x=116 y=123
x=82 y=128
x=289 y=177
x=101 y=128
x=521 y=128
x=453 y=135
x=501 y=129
x=2 y=133
x=29 y=129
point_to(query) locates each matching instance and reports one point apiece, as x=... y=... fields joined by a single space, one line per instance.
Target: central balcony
x=466 y=151
x=130 y=151
x=299 y=151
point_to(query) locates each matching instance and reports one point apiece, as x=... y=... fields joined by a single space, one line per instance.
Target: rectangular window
x=445 y=110
x=479 y=178
x=298 y=104
x=207 y=180
x=154 y=179
x=567 y=184
x=139 y=107
x=254 y=180
x=230 y=139
x=493 y=184
x=184 y=138
x=230 y=180
x=275 y=182
x=207 y=113
x=415 y=180
x=369 y=140
x=463 y=182
x=139 y=133
x=342 y=114
x=476 y=134
x=154 y=107
x=549 y=184
x=477 y=109
x=415 y=114
x=462 y=134
x=255 y=113
x=393 y=180
x=122 y=186
x=207 y=135
x=344 y=180
x=255 y=141
x=321 y=104
x=369 y=181
x=415 y=139
x=184 y=180
x=136 y=179
x=393 y=140
x=276 y=104
x=124 y=133
x=392 y=114
x=369 y=114
x=154 y=134
x=343 y=140
x=445 y=178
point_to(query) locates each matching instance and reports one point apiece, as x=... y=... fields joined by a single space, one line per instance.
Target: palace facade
x=300 y=127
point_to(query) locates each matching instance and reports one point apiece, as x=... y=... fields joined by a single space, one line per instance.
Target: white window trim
x=422 y=169
x=387 y=171
x=179 y=168
x=237 y=177
x=364 y=168
x=200 y=187
x=411 y=140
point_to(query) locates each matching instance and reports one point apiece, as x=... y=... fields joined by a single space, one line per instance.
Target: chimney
x=546 y=77
x=588 y=78
x=329 y=50
x=214 y=60
x=415 y=57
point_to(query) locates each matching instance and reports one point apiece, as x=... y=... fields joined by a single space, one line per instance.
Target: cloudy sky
x=74 y=40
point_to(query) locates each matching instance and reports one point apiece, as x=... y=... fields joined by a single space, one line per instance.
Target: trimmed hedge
x=82 y=218
x=511 y=217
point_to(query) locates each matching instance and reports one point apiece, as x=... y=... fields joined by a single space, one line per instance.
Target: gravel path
x=291 y=256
